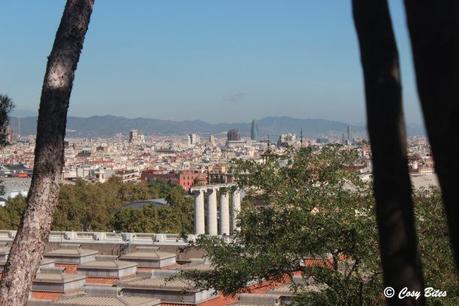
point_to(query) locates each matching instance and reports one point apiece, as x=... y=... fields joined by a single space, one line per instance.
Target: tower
x=133 y=136
x=254 y=130
x=212 y=140
x=193 y=139
x=233 y=135
x=269 y=144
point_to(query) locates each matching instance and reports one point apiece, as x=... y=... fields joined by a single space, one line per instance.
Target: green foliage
x=177 y=217
x=85 y=206
x=437 y=257
x=10 y=214
x=133 y=191
x=161 y=189
x=137 y=220
x=309 y=204
x=180 y=211
x=301 y=205
x=6 y=106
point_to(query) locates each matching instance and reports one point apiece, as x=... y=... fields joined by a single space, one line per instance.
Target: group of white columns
x=228 y=214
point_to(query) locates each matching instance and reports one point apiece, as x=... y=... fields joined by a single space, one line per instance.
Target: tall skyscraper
x=286 y=140
x=254 y=130
x=193 y=139
x=212 y=140
x=233 y=135
x=349 y=133
x=133 y=136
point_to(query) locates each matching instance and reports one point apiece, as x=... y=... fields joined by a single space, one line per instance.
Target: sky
x=213 y=60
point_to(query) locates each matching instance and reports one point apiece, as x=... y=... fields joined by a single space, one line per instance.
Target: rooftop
x=145 y=254
x=194 y=266
x=70 y=252
x=141 y=203
x=52 y=277
x=107 y=264
x=108 y=301
x=159 y=283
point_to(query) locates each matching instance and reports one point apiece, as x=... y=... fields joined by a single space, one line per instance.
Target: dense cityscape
x=183 y=159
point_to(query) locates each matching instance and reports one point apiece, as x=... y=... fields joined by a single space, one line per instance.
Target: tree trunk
x=434 y=33
x=386 y=127
x=29 y=243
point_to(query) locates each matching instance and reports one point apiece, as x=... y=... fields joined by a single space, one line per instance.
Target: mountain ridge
x=109 y=125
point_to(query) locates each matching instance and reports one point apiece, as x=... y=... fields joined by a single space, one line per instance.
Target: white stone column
x=224 y=214
x=199 y=222
x=212 y=212
x=235 y=209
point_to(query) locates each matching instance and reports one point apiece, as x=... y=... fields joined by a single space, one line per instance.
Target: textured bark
x=386 y=127
x=434 y=33
x=28 y=246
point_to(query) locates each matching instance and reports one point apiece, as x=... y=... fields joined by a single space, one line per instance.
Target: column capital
x=197 y=192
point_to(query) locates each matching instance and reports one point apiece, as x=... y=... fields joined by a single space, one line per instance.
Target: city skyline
x=217 y=62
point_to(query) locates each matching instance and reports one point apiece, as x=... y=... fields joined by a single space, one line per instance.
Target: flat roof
x=4 y=250
x=108 y=301
x=70 y=252
x=44 y=277
x=107 y=264
x=193 y=266
x=152 y=255
x=159 y=283
x=141 y=203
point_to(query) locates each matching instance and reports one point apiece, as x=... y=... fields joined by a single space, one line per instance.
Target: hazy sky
x=215 y=60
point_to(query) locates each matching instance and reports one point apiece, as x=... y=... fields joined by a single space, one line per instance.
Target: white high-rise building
x=135 y=137
x=212 y=140
x=193 y=139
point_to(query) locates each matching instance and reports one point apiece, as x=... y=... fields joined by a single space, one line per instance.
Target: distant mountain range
x=106 y=126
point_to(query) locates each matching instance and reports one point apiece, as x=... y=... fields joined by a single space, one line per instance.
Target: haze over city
x=225 y=61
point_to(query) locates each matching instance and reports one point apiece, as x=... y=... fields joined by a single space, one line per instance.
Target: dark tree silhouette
x=6 y=105
x=386 y=127
x=28 y=246
x=434 y=33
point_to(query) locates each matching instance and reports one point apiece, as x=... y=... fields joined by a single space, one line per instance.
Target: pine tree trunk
x=434 y=33
x=386 y=127
x=29 y=243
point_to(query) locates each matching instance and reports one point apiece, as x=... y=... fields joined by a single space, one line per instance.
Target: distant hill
x=105 y=126
x=21 y=113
